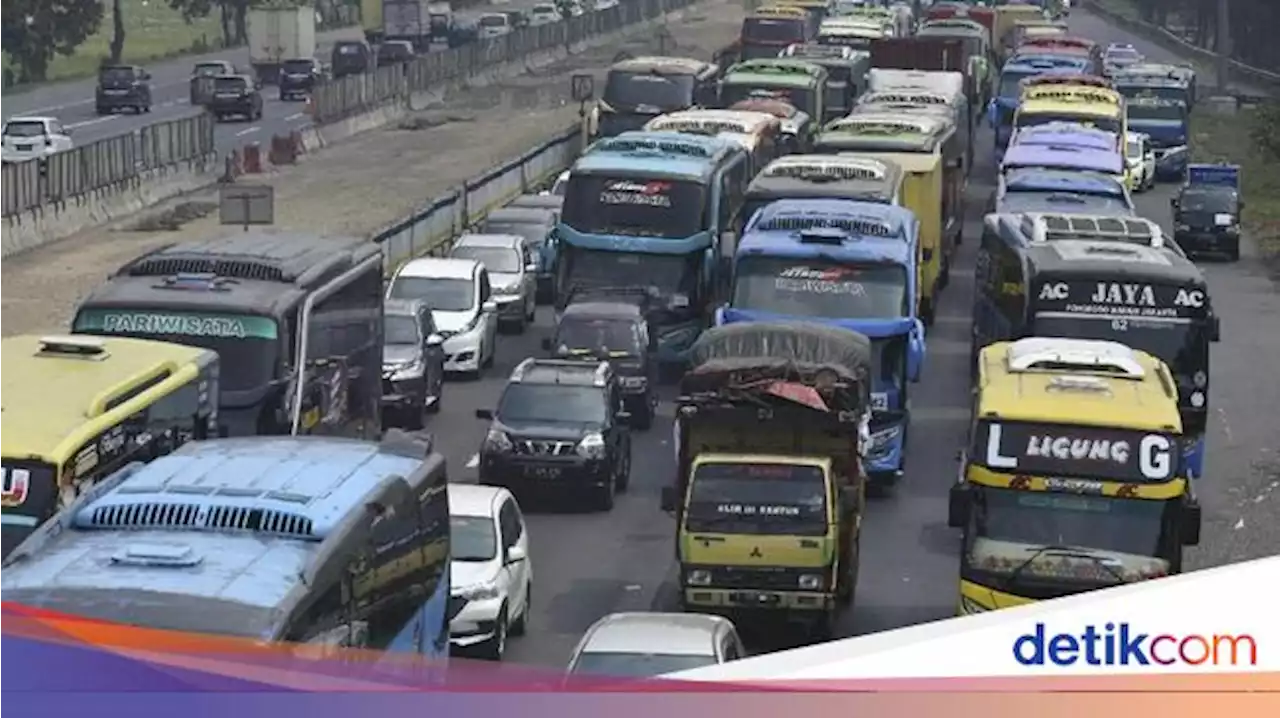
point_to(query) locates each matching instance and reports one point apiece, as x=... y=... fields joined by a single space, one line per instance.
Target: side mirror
x=486 y=414
x=958 y=507
x=670 y=500
x=1215 y=330
x=1189 y=523
x=516 y=554
x=546 y=344
x=1173 y=203
x=728 y=244
x=435 y=340
x=490 y=307
x=1239 y=204
x=582 y=87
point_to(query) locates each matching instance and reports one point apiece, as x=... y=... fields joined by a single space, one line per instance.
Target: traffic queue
x=772 y=233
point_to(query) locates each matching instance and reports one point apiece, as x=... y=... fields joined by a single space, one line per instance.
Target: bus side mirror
x=670 y=499
x=1190 y=524
x=958 y=504
x=915 y=352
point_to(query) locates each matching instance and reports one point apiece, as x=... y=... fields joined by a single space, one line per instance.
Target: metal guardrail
x=430 y=230
x=110 y=161
x=1245 y=74
x=354 y=94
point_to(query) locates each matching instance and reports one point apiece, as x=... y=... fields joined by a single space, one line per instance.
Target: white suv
x=29 y=138
x=458 y=292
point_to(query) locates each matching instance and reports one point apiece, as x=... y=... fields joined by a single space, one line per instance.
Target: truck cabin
x=641 y=88
x=797 y=82
x=1161 y=87
x=818 y=176
x=975 y=37
x=846 y=72
x=768 y=30
x=1039 y=189
x=285 y=312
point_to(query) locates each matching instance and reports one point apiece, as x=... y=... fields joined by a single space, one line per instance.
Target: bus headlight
x=1197 y=399
x=1200 y=379
x=810 y=582
x=698 y=577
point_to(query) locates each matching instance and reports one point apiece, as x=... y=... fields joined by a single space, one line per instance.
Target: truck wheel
x=644 y=420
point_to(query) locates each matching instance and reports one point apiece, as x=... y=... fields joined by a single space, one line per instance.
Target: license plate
x=24 y=148
x=754 y=598
x=117 y=92
x=542 y=472
x=228 y=95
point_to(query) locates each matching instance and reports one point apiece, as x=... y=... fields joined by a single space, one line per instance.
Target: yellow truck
x=1073 y=479
x=771 y=430
x=1008 y=17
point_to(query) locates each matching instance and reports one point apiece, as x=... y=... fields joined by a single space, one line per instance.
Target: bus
x=76 y=409
x=1100 y=277
x=811 y=176
x=849 y=264
x=1095 y=107
x=1168 y=125
x=322 y=541
x=656 y=210
x=638 y=89
x=1072 y=479
x=296 y=320
x=798 y=82
x=769 y=30
x=1004 y=104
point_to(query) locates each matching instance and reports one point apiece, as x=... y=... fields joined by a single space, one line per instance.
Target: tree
x=117 y=31
x=232 y=13
x=36 y=30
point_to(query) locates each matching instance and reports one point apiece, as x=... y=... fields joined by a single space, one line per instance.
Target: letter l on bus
x=995 y=459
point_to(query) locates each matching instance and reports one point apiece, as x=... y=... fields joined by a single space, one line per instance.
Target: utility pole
x=1224 y=45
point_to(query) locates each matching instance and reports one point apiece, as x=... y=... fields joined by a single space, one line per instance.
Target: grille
x=757 y=578
x=195 y=516
x=538 y=447
x=853 y=225
x=239 y=269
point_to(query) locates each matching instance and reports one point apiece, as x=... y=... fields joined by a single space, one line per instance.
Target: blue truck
x=1168 y=123
x=1004 y=105
x=849 y=264
x=651 y=209
x=1206 y=212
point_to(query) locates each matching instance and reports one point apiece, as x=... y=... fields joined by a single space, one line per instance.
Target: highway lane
x=590 y=564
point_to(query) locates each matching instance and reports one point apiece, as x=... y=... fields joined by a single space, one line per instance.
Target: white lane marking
x=247 y=131
x=474 y=461
x=94 y=121
x=294 y=116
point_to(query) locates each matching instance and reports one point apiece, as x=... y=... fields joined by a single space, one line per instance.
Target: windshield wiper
x=1060 y=550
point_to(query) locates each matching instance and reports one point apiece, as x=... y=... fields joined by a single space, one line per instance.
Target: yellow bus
x=1073 y=479
x=76 y=408
x=1096 y=107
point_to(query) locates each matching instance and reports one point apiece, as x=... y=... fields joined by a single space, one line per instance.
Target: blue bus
x=1004 y=105
x=654 y=210
x=1168 y=123
x=850 y=264
x=324 y=541
x=1042 y=189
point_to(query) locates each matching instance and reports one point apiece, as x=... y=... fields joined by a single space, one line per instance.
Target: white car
x=491 y=569
x=29 y=138
x=1140 y=159
x=462 y=306
x=513 y=271
x=493 y=24
x=645 y=645
x=544 y=14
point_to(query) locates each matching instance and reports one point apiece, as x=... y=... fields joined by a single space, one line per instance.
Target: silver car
x=513 y=271
x=644 y=645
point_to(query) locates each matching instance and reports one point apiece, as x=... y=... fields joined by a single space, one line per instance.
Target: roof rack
x=773 y=67
x=1046 y=227
x=666 y=143
x=836 y=167
x=852 y=223
x=888 y=124
x=601 y=369
x=1083 y=355
x=1071 y=93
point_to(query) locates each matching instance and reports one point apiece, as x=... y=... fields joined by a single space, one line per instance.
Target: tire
x=624 y=474
x=606 y=494
x=644 y=420
x=417 y=417
x=434 y=407
x=100 y=110
x=487 y=362
x=1233 y=254
x=494 y=648
x=521 y=325
x=533 y=309
x=520 y=626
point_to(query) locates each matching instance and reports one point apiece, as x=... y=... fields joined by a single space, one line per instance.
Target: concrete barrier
x=55 y=221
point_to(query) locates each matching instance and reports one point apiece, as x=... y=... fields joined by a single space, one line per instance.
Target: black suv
x=412 y=364
x=122 y=87
x=236 y=95
x=299 y=77
x=1206 y=220
x=559 y=426
x=618 y=333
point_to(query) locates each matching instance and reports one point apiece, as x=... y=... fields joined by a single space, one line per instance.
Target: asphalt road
x=589 y=564
x=72 y=102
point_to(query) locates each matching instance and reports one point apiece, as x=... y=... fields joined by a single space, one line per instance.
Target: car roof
x=690 y=634
x=602 y=310
x=440 y=268
x=497 y=241
x=30 y=118
x=475 y=499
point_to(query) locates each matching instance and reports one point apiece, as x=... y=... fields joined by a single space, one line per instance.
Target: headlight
x=481 y=592
x=1182 y=227
x=881 y=440
x=591 y=446
x=1197 y=399
x=698 y=577
x=402 y=372
x=634 y=382
x=810 y=582
x=970 y=606
x=1200 y=379
x=497 y=441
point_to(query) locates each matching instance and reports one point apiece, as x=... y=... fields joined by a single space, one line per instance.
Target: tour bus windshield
x=1089 y=541
x=601 y=268
x=819 y=288
x=734 y=92
x=1164 y=92
x=551 y=404
x=773 y=30
x=635 y=207
x=758 y=498
x=247 y=346
x=1169 y=112
x=1106 y=124
x=623 y=90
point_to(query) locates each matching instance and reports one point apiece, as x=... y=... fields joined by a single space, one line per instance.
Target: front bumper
x=462 y=352
x=113 y=99
x=543 y=473
x=1207 y=241
x=403 y=393
x=734 y=600
x=510 y=307
x=475 y=623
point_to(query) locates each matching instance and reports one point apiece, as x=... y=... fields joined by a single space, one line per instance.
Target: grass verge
x=1228 y=138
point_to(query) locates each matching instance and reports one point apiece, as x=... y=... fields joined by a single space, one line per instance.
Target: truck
x=278 y=33
x=936 y=54
x=771 y=430
x=408 y=20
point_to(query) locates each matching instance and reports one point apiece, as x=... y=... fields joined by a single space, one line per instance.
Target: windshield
x=496 y=259
x=1168 y=112
x=624 y=90
x=472 y=538
x=779 y=499
x=1207 y=200
x=153 y=609
x=638 y=665
x=30 y=497
x=600 y=268
x=552 y=403
x=493 y=21
x=247 y=346
x=773 y=30
x=589 y=335
x=1173 y=341
x=534 y=234
x=1133 y=149
x=1014 y=201
x=635 y=207
x=820 y=288
x=24 y=129
x=801 y=98
x=116 y=75
x=1102 y=540
x=442 y=295
x=210 y=69
x=229 y=84
x=297 y=66
x=400 y=329
x=1170 y=92
x=1106 y=124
